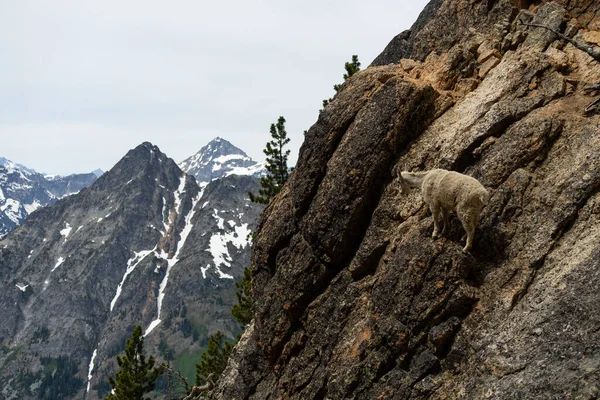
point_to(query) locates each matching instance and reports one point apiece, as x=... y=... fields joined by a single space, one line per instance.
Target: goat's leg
x=446 y=221
x=470 y=234
x=468 y=221
x=435 y=210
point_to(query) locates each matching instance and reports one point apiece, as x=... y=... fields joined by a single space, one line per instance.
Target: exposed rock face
x=354 y=300
x=402 y=45
x=22 y=191
x=144 y=245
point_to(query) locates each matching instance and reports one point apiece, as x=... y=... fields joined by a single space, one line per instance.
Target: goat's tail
x=484 y=197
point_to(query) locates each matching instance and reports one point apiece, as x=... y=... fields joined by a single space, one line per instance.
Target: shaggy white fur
x=446 y=191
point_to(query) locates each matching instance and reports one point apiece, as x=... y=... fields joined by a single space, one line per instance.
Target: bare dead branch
x=592 y=106
x=196 y=390
x=592 y=51
x=179 y=377
x=592 y=87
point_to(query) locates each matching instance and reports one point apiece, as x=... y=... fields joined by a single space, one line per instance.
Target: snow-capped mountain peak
x=11 y=166
x=219 y=158
x=23 y=190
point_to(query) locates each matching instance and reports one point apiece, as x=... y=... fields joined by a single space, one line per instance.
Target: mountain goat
x=446 y=191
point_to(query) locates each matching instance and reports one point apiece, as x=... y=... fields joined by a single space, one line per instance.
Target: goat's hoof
x=466 y=250
x=434 y=236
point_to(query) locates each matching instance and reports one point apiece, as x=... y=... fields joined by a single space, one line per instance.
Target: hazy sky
x=82 y=82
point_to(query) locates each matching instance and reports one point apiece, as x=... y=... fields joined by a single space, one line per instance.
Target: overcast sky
x=82 y=82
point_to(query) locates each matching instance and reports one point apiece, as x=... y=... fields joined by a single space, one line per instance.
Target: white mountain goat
x=447 y=191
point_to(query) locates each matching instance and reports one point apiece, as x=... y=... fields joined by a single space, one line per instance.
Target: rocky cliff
x=145 y=244
x=355 y=300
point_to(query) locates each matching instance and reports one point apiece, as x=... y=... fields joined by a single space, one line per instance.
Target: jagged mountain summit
x=353 y=297
x=23 y=190
x=219 y=158
x=5 y=162
x=145 y=244
x=98 y=172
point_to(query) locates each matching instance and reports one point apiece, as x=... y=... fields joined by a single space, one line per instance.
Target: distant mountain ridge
x=145 y=244
x=219 y=158
x=23 y=190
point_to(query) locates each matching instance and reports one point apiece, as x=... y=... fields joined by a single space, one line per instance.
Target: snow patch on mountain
x=220 y=221
x=58 y=263
x=65 y=232
x=165 y=217
x=32 y=207
x=172 y=261
x=179 y=192
x=256 y=170
x=228 y=157
x=131 y=264
x=218 y=247
x=12 y=209
x=22 y=288
x=91 y=369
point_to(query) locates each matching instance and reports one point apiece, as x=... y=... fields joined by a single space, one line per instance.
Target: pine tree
x=242 y=311
x=214 y=359
x=137 y=376
x=351 y=68
x=277 y=169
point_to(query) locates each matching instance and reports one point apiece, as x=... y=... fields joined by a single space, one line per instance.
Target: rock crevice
x=353 y=297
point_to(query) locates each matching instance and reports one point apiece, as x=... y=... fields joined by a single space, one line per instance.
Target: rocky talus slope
x=145 y=244
x=354 y=300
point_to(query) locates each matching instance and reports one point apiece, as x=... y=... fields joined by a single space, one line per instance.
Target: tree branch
x=590 y=50
x=177 y=374
x=592 y=106
x=592 y=87
x=196 y=390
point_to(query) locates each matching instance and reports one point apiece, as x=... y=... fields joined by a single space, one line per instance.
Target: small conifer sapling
x=137 y=375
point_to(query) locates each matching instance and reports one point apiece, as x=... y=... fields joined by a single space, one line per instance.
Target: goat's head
x=404 y=186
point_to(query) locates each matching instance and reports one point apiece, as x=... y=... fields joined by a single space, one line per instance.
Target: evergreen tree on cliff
x=277 y=169
x=214 y=359
x=351 y=68
x=137 y=375
x=242 y=311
